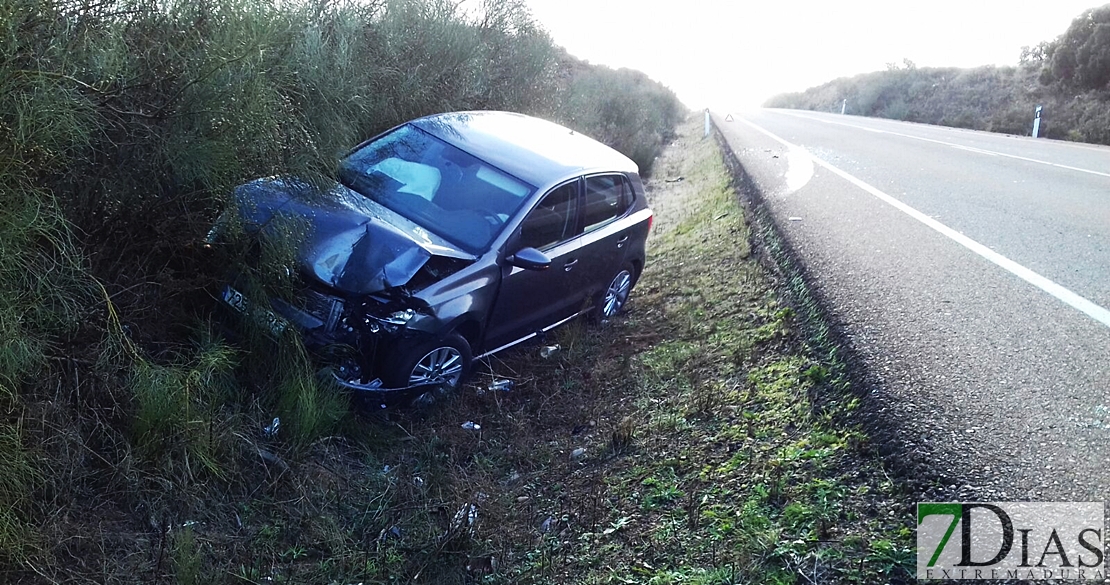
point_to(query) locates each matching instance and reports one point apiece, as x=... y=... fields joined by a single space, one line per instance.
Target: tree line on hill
x=1068 y=76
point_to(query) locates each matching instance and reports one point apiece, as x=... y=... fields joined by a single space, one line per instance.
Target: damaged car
x=450 y=238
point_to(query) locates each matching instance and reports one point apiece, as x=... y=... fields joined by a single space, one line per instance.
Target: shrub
x=124 y=125
x=622 y=108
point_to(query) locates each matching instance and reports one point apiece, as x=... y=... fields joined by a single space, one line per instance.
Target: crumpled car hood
x=353 y=244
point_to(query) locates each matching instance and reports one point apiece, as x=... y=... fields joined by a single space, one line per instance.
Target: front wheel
x=444 y=362
x=613 y=298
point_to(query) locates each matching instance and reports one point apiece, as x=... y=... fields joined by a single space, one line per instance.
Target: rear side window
x=607 y=198
x=553 y=220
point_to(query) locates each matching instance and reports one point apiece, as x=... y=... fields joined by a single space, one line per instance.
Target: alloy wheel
x=442 y=365
x=617 y=294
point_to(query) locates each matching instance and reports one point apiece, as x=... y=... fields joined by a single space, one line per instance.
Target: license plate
x=267 y=318
x=235 y=299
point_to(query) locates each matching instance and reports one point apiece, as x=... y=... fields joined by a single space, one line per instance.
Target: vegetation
x=1068 y=77
x=130 y=437
x=1080 y=58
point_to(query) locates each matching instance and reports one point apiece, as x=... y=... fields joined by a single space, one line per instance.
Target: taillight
x=651 y=218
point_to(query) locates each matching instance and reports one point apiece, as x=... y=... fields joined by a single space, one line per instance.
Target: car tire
x=447 y=359
x=611 y=300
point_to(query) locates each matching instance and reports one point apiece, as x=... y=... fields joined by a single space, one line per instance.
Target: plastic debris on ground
x=272 y=430
x=466 y=519
x=392 y=532
x=500 y=386
x=549 y=351
x=471 y=426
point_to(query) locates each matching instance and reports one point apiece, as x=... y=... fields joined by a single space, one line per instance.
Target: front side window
x=553 y=220
x=435 y=185
x=607 y=198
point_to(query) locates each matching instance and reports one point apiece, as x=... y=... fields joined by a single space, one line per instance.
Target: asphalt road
x=970 y=272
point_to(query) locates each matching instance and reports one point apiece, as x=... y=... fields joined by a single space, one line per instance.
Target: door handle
x=570 y=265
x=621 y=242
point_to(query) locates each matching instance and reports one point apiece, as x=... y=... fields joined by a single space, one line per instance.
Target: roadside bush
x=623 y=108
x=124 y=126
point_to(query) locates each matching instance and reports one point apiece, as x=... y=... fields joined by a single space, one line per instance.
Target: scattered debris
x=466 y=517
x=471 y=426
x=549 y=351
x=795 y=219
x=547 y=525
x=500 y=386
x=417 y=481
x=578 y=453
x=721 y=216
x=522 y=499
x=272 y=430
x=392 y=532
x=675 y=180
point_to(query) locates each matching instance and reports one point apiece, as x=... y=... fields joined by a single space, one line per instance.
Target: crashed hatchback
x=450 y=238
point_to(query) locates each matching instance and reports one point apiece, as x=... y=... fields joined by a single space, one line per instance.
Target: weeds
x=127 y=409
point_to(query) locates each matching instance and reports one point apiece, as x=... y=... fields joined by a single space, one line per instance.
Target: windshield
x=437 y=186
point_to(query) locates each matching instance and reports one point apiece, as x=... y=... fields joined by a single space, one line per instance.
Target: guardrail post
x=706 y=123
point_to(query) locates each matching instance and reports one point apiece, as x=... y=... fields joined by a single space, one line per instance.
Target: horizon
x=757 y=50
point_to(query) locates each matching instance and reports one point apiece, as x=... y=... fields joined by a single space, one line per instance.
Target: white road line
x=952 y=144
x=1072 y=299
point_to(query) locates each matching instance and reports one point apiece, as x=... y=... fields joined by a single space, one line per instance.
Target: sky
x=734 y=55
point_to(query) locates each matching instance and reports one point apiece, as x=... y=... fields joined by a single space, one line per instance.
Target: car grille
x=325 y=308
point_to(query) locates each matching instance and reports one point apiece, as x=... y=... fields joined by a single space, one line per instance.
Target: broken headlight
x=400 y=318
x=389 y=323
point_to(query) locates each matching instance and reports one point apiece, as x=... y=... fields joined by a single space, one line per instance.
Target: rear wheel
x=444 y=362
x=613 y=298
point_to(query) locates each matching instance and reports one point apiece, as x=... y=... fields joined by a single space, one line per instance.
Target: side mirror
x=529 y=259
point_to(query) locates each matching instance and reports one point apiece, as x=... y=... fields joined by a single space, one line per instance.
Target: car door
x=605 y=238
x=531 y=300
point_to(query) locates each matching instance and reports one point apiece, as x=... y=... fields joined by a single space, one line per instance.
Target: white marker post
x=843 y=106
x=1037 y=122
x=706 y=123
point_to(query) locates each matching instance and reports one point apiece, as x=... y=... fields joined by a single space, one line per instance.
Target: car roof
x=534 y=150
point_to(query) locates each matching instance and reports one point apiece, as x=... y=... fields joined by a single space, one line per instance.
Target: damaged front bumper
x=377 y=395
x=326 y=321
